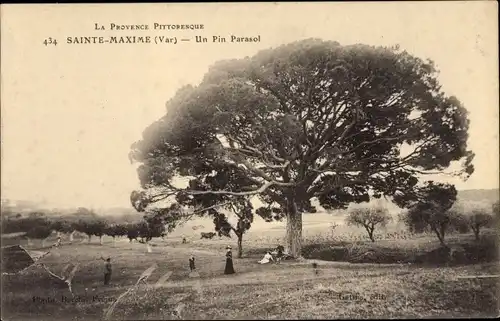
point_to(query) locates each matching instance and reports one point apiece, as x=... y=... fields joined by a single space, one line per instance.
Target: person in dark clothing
x=107 y=271
x=229 y=261
x=315 y=268
x=191 y=263
x=279 y=253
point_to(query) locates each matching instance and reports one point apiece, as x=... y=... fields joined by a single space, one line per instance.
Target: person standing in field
x=58 y=243
x=229 y=261
x=191 y=263
x=107 y=270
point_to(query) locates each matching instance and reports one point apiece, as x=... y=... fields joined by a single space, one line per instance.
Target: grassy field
x=290 y=290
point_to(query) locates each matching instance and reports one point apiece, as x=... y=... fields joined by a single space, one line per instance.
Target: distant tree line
x=38 y=225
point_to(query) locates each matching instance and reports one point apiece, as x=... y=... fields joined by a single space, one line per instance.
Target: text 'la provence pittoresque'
x=156 y=39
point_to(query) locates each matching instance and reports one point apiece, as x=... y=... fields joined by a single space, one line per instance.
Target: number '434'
x=50 y=41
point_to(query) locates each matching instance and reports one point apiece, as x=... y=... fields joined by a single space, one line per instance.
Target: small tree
x=244 y=212
x=369 y=218
x=147 y=231
x=216 y=206
x=115 y=230
x=98 y=228
x=94 y=227
x=63 y=226
x=472 y=216
x=132 y=232
x=431 y=211
x=479 y=219
x=72 y=230
x=41 y=232
x=83 y=227
x=158 y=222
x=459 y=221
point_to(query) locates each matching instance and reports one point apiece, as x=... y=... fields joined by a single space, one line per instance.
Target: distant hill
x=479 y=195
x=112 y=214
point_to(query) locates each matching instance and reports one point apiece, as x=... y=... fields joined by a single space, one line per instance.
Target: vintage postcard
x=324 y=160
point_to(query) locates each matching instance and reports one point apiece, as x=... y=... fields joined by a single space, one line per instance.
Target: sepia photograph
x=258 y=160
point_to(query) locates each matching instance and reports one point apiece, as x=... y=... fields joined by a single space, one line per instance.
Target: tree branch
x=380 y=139
x=245 y=162
x=262 y=189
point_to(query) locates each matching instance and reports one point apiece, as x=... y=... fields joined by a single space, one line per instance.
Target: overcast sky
x=71 y=112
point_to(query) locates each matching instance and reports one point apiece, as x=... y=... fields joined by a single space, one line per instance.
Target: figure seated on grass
x=267 y=258
x=279 y=254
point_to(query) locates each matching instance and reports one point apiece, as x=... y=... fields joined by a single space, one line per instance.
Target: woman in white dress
x=267 y=258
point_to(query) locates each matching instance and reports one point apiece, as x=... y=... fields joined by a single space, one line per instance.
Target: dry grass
x=290 y=290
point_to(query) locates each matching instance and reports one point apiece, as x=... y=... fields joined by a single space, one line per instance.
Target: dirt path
x=274 y=275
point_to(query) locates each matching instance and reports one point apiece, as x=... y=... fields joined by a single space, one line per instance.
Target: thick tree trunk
x=148 y=247
x=100 y=239
x=240 y=245
x=294 y=231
